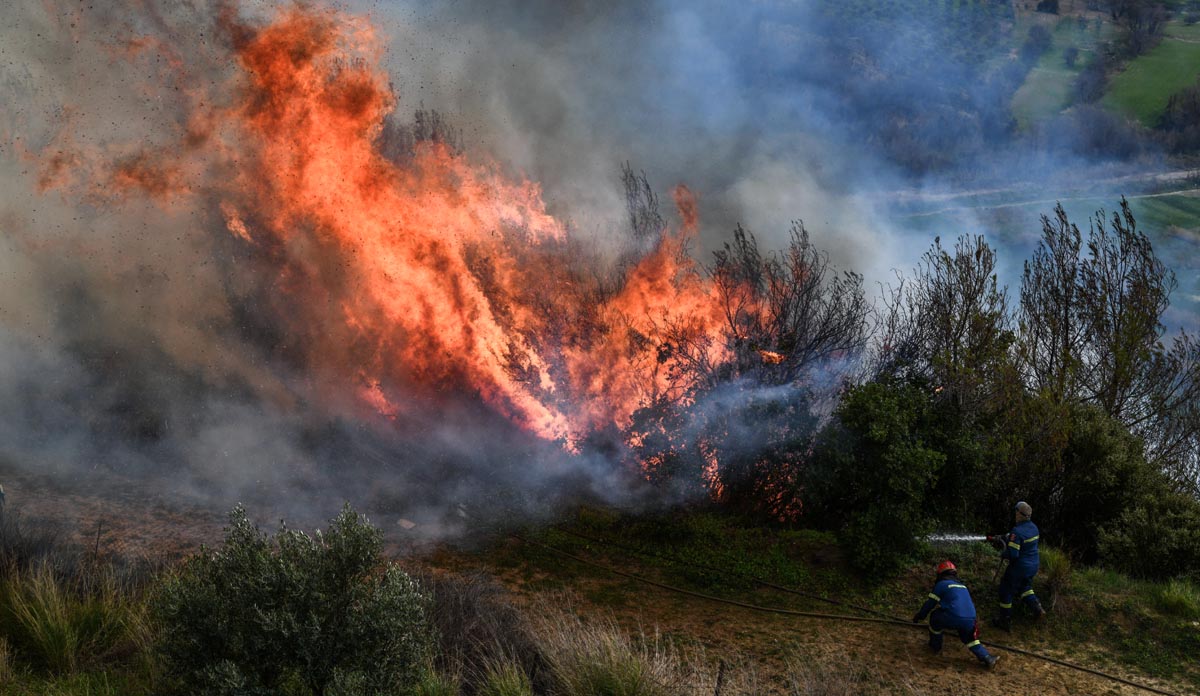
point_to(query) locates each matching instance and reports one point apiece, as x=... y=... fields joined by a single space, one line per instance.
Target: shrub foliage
x=319 y=614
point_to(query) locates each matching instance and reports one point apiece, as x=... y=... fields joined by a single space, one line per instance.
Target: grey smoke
x=124 y=342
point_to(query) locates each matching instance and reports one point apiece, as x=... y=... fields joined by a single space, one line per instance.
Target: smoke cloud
x=140 y=331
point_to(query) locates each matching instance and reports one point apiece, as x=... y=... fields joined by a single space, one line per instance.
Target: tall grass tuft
x=505 y=678
x=6 y=666
x=60 y=626
x=600 y=660
x=1179 y=598
x=477 y=627
x=1056 y=574
x=434 y=683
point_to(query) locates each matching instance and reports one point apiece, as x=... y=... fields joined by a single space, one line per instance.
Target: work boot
x=989 y=661
x=1038 y=612
x=935 y=649
x=1004 y=623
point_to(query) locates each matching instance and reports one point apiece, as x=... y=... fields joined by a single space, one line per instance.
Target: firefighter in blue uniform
x=949 y=607
x=1021 y=551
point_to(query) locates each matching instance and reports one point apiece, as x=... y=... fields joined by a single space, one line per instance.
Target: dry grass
x=6 y=665
x=807 y=677
x=594 y=659
x=505 y=678
x=600 y=659
x=477 y=628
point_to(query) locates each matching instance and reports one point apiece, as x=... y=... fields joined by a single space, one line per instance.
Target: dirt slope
x=135 y=521
x=769 y=641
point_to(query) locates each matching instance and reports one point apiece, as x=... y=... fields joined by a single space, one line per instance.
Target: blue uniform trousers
x=1016 y=583
x=967 y=629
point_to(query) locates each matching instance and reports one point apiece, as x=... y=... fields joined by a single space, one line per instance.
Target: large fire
x=438 y=275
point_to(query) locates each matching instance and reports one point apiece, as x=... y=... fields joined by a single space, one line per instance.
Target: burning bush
x=296 y=613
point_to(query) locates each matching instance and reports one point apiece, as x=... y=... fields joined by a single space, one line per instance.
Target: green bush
x=874 y=472
x=1102 y=474
x=293 y=614
x=1157 y=538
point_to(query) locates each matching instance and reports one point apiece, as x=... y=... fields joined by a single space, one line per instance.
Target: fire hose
x=814 y=615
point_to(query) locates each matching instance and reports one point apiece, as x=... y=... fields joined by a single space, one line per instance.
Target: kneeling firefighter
x=1021 y=551
x=952 y=609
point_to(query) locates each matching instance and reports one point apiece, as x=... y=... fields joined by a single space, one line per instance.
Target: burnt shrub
x=292 y=613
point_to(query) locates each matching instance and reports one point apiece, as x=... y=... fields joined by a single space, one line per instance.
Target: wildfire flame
x=440 y=275
x=770 y=357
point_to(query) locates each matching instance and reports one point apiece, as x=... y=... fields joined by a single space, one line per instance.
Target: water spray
x=956 y=538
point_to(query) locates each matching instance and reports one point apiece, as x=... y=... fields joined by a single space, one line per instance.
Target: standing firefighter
x=1021 y=551
x=952 y=609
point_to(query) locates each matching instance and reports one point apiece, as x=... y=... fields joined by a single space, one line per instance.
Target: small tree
x=293 y=614
x=1071 y=56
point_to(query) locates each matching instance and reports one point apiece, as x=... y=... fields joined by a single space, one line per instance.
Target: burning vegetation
x=388 y=262
x=412 y=303
x=391 y=275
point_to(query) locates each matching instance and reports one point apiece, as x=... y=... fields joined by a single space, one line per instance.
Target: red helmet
x=945 y=566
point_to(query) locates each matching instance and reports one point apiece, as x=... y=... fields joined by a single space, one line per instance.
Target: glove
x=916 y=618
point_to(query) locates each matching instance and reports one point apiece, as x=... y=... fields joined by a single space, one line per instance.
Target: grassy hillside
x=1100 y=618
x=1142 y=90
x=1047 y=89
x=555 y=625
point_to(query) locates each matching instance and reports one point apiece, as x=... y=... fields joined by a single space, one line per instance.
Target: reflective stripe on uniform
x=1014 y=545
x=1032 y=538
x=953 y=586
x=1006 y=606
x=1026 y=593
x=936 y=633
x=972 y=644
x=934 y=597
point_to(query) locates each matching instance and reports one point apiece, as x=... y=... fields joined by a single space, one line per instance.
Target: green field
x=1143 y=89
x=1047 y=89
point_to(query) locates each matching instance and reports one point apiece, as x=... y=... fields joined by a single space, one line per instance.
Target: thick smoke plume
x=231 y=268
x=231 y=259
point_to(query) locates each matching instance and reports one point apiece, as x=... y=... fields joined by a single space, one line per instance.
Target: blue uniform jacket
x=952 y=597
x=1022 y=547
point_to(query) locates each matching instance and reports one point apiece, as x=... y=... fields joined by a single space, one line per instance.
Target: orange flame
x=443 y=274
x=770 y=357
